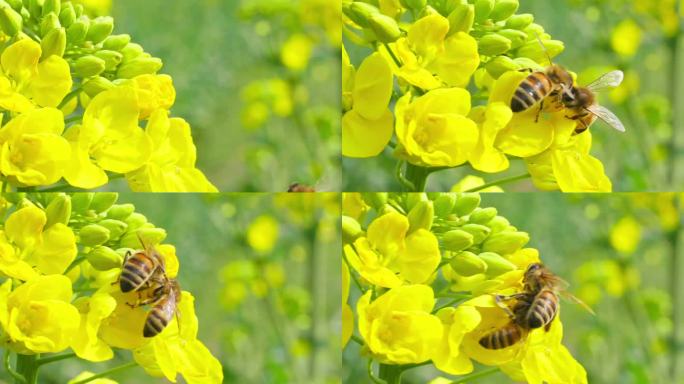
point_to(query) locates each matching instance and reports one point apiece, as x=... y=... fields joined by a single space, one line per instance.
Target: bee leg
x=541 y=107
x=500 y=303
x=525 y=70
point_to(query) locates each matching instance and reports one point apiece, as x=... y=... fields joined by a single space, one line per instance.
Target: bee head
x=560 y=76
x=577 y=97
x=533 y=275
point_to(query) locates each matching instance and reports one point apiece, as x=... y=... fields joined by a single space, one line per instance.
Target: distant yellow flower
x=37 y=316
x=433 y=129
x=367 y=122
x=398 y=327
x=625 y=235
x=262 y=234
x=626 y=38
x=296 y=52
x=347 y=313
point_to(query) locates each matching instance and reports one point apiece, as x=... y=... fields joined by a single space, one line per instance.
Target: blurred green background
x=267 y=290
x=622 y=254
x=257 y=80
x=643 y=38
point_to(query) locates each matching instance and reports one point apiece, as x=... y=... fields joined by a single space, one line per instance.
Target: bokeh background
x=622 y=255
x=258 y=81
x=643 y=38
x=266 y=286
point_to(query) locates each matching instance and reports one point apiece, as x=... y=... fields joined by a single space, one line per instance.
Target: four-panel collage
x=341 y=191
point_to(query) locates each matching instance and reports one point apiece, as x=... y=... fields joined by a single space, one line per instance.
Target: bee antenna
x=546 y=52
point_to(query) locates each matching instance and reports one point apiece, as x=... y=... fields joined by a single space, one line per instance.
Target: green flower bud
x=15 y=198
x=52 y=6
x=93 y=234
x=10 y=21
x=15 y=4
x=457 y=240
x=79 y=10
x=496 y=265
x=135 y=221
x=97 y=84
x=58 y=210
x=131 y=51
x=54 y=43
x=500 y=65
x=100 y=28
x=468 y=264
x=482 y=215
x=444 y=204
x=516 y=37
x=49 y=22
x=120 y=211
x=104 y=258
x=479 y=232
x=533 y=31
x=88 y=66
x=416 y=5
x=116 y=227
x=151 y=235
x=375 y=199
x=505 y=243
x=360 y=13
x=67 y=15
x=116 y=42
x=466 y=203
x=386 y=29
x=78 y=30
x=35 y=7
x=139 y=66
x=536 y=52
x=482 y=9
x=80 y=202
x=102 y=201
x=414 y=198
x=520 y=21
x=112 y=58
x=498 y=224
x=504 y=9
x=421 y=216
x=351 y=229
x=493 y=44
x=386 y=209
x=462 y=18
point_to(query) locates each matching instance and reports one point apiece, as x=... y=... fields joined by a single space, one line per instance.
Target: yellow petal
x=51 y=83
x=576 y=172
x=56 y=252
x=459 y=60
x=20 y=59
x=25 y=226
x=372 y=87
x=363 y=138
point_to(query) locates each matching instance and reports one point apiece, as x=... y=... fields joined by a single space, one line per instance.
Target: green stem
x=500 y=182
x=677 y=101
x=107 y=372
x=68 y=98
x=52 y=359
x=675 y=268
x=417 y=176
x=391 y=374
x=75 y=263
x=357 y=340
x=477 y=375
x=72 y=119
x=392 y=55
x=8 y=367
x=27 y=367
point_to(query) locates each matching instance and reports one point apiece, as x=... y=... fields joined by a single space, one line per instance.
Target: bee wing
x=607 y=116
x=572 y=298
x=609 y=80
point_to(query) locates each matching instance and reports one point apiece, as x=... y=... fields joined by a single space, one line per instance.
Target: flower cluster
x=61 y=259
x=427 y=268
x=436 y=86
x=86 y=106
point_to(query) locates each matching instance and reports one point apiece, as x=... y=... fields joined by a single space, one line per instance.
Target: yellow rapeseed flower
x=86 y=342
x=154 y=92
x=347 y=313
x=262 y=234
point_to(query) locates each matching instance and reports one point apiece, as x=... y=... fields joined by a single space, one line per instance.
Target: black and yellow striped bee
x=164 y=307
x=139 y=267
x=537 y=86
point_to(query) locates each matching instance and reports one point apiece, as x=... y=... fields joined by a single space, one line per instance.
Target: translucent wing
x=607 y=116
x=609 y=80
x=568 y=296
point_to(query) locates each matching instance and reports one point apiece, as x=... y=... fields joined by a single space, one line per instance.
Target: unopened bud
x=58 y=210
x=504 y=9
x=80 y=202
x=498 y=224
x=421 y=216
x=468 y=264
x=67 y=15
x=49 y=22
x=479 y=232
x=444 y=204
x=461 y=19
x=416 y=5
x=135 y=221
x=360 y=13
x=351 y=229
x=104 y=258
x=116 y=227
x=151 y=235
x=482 y=215
x=102 y=201
x=78 y=30
x=111 y=58
x=386 y=29
x=457 y=240
x=520 y=21
x=414 y=198
x=116 y=42
x=139 y=66
x=386 y=208
x=536 y=52
x=516 y=37
x=375 y=199
x=496 y=264
x=120 y=211
x=15 y=4
x=79 y=10
x=93 y=234
x=500 y=65
x=493 y=44
x=88 y=66
x=97 y=84
x=10 y=21
x=52 y=6
x=505 y=243
x=482 y=9
x=54 y=43
x=100 y=28
x=466 y=203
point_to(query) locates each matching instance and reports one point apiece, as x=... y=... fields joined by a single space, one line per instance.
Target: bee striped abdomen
x=502 y=338
x=135 y=272
x=155 y=322
x=543 y=309
x=532 y=90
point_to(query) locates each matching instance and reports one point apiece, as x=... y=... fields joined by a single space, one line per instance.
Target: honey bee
x=539 y=85
x=139 y=267
x=581 y=102
x=297 y=187
x=535 y=307
x=165 y=299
